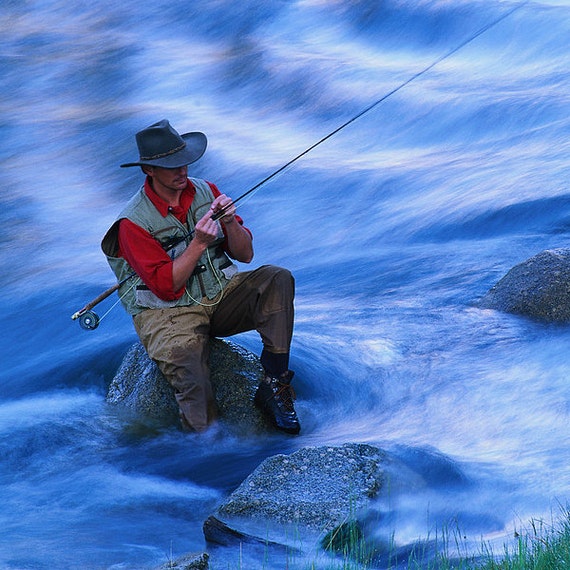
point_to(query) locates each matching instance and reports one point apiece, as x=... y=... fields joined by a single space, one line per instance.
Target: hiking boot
x=275 y=397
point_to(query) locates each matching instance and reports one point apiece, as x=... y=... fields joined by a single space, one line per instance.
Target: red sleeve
x=147 y=257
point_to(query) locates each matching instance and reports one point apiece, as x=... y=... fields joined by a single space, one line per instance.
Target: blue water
x=394 y=228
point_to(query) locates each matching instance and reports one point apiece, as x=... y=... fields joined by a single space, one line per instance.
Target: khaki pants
x=177 y=338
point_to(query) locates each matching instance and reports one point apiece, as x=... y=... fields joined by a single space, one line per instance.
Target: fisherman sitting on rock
x=178 y=236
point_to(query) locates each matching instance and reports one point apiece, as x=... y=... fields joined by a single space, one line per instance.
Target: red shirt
x=145 y=254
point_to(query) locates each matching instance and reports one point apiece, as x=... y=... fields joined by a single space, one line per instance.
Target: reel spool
x=89 y=321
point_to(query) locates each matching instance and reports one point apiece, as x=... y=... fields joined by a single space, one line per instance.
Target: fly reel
x=89 y=320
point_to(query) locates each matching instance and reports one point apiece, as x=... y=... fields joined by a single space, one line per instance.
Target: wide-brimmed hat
x=160 y=145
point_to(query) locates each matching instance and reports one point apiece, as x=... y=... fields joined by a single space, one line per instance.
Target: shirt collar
x=161 y=205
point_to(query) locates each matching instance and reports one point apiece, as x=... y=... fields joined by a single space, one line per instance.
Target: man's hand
x=206 y=230
x=223 y=204
x=205 y=233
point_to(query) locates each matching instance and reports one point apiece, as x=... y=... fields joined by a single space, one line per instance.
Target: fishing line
x=89 y=320
x=221 y=293
x=376 y=103
x=118 y=300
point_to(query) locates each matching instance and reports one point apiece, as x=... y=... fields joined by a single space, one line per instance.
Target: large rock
x=538 y=288
x=333 y=500
x=308 y=492
x=140 y=389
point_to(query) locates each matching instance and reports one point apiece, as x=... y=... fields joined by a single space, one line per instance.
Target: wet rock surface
x=311 y=491
x=140 y=390
x=538 y=288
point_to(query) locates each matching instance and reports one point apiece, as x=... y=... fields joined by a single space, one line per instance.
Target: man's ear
x=148 y=170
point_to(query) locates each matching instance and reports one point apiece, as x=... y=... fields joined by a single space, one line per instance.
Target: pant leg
x=177 y=339
x=260 y=300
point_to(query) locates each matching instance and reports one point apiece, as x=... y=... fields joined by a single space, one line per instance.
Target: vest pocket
x=229 y=271
x=144 y=297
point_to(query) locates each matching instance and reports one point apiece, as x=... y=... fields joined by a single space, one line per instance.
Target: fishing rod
x=89 y=320
x=376 y=103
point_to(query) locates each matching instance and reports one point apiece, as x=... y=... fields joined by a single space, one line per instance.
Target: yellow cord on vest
x=221 y=293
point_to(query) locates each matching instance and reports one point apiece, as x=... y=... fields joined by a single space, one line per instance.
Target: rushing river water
x=394 y=228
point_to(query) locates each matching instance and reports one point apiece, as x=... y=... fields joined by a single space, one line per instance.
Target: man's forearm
x=239 y=241
x=184 y=265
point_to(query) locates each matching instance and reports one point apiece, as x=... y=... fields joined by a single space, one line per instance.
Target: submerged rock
x=311 y=491
x=219 y=532
x=188 y=562
x=140 y=389
x=538 y=288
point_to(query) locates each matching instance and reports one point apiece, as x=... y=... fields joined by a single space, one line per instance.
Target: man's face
x=169 y=179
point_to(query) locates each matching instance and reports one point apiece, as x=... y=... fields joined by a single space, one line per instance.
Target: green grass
x=541 y=546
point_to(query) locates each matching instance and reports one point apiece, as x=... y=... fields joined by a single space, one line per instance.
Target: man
x=179 y=235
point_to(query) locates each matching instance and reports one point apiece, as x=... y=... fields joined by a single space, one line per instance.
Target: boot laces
x=286 y=395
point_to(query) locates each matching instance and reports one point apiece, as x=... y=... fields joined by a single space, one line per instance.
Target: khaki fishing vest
x=213 y=270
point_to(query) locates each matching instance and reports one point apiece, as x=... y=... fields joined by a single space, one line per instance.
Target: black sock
x=274 y=364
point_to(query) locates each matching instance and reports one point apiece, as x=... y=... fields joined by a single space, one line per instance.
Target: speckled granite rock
x=140 y=389
x=538 y=288
x=312 y=490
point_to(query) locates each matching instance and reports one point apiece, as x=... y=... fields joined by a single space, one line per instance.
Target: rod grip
x=96 y=301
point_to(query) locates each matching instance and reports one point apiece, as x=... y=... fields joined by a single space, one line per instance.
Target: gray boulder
x=538 y=288
x=311 y=491
x=140 y=390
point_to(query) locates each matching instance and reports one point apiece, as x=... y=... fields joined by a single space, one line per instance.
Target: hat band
x=162 y=155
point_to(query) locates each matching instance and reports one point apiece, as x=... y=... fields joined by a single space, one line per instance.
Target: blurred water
x=393 y=228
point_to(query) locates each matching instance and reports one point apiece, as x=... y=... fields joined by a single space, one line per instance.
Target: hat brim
x=196 y=144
